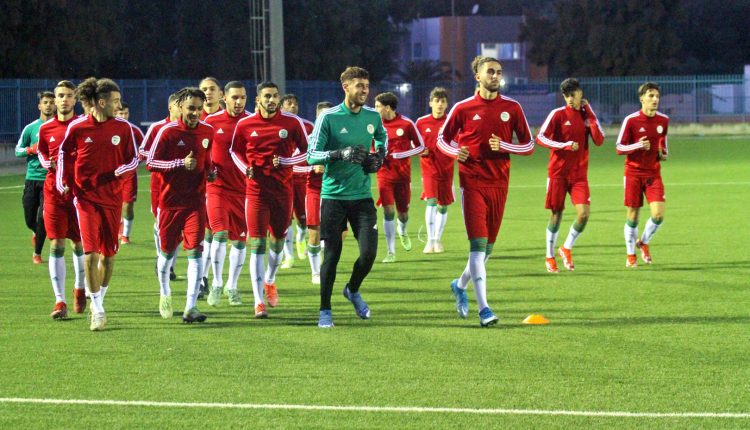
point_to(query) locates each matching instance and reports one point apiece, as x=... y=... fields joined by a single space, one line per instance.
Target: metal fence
x=686 y=99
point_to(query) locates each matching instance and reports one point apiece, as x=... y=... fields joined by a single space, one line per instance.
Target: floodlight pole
x=278 y=67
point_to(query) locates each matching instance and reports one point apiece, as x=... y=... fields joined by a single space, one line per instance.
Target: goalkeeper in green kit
x=341 y=141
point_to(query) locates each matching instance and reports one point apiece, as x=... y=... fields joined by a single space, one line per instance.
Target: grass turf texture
x=671 y=337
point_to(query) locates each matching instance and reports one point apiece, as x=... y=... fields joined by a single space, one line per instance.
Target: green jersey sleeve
x=318 y=151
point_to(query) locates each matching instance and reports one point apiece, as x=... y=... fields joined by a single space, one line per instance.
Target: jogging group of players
x=223 y=175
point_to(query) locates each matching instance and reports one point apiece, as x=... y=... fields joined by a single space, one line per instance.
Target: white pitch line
x=396 y=409
x=11 y=187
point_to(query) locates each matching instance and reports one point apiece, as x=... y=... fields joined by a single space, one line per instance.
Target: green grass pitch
x=672 y=337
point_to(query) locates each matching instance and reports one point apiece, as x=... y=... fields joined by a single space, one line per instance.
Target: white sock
x=429 y=219
x=157 y=241
x=649 y=231
x=274 y=261
x=571 y=239
x=57 y=275
x=257 y=272
x=218 y=255
x=440 y=220
x=463 y=280
x=80 y=272
x=301 y=232
x=390 y=235
x=288 y=244
x=127 y=224
x=205 y=259
x=193 y=270
x=551 y=241
x=477 y=261
x=97 y=305
x=103 y=289
x=162 y=269
x=236 y=261
x=401 y=226
x=174 y=258
x=314 y=260
x=630 y=234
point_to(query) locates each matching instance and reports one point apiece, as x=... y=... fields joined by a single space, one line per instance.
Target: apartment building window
x=501 y=51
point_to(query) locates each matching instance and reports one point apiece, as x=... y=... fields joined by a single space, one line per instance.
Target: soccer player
x=479 y=133
x=96 y=151
x=566 y=133
x=60 y=220
x=437 y=172
x=394 y=178
x=182 y=153
x=33 y=190
x=290 y=104
x=225 y=197
x=341 y=141
x=262 y=149
x=312 y=208
x=212 y=89
x=643 y=140
x=130 y=181
x=156 y=180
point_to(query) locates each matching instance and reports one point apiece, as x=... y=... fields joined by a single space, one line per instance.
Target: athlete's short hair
x=439 y=93
x=233 y=84
x=212 y=79
x=387 y=99
x=325 y=104
x=93 y=89
x=173 y=97
x=354 y=72
x=569 y=86
x=190 y=92
x=65 y=84
x=643 y=89
x=124 y=105
x=481 y=60
x=289 y=96
x=263 y=85
x=45 y=95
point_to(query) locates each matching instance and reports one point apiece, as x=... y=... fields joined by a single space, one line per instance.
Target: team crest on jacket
x=283 y=133
x=204 y=143
x=115 y=140
x=370 y=128
x=659 y=129
x=505 y=116
x=400 y=132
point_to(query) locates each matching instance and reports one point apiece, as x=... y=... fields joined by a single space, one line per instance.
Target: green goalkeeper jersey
x=29 y=137
x=337 y=128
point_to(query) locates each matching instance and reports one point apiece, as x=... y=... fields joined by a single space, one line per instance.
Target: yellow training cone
x=536 y=319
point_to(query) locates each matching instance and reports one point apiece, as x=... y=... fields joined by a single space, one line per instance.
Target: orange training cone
x=536 y=319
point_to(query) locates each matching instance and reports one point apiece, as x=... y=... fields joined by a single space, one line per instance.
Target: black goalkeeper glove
x=353 y=154
x=374 y=161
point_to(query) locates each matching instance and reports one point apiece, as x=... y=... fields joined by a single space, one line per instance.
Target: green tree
x=601 y=37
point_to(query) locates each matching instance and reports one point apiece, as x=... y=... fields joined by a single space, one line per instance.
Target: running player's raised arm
x=159 y=159
x=43 y=150
x=415 y=138
x=549 y=130
x=594 y=127
x=300 y=141
x=448 y=132
x=148 y=140
x=131 y=155
x=238 y=148
x=26 y=148
x=525 y=144
x=624 y=143
x=317 y=152
x=65 y=159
